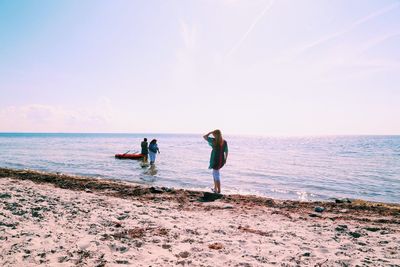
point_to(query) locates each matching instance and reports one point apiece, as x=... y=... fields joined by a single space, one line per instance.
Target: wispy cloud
x=188 y=34
x=352 y=26
x=378 y=40
x=267 y=7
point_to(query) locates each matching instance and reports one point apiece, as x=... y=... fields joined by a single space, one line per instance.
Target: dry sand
x=59 y=220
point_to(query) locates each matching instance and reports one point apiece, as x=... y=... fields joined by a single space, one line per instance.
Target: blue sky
x=247 y=67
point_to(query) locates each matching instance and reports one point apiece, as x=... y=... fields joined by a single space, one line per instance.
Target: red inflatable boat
x=129 y=156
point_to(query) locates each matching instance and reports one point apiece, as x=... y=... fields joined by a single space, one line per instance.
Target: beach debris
x=160 y=231
x=41 y=255
x=216 y=246
x=136 y=232
x=314 y=215
x=156 y=190
x=10 y=225
x=62 y=259
x=123 y=217
x=183 y=263
x=168 y=190
x=208 y=197
x=217 y=205
x=355 y=234
x=384 y=232
x=35 y=213
x=192 y=231
x=144 y=214
x=321 y=263
x=372 y=229
x=319 y=209
x=249 y=230
x=12 y=206
x=138 y=244
x=123 y=249
x=341 y=228
x=188 y=240
x=122 y=262
x=5 y=195
x=184 y=254
x=166 y=246
x=286 y=214
x=342 y=200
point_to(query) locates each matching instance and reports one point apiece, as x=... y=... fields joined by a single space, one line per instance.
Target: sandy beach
x=59 y=220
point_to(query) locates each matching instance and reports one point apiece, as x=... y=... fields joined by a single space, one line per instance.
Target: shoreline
x=55 y=219
x=120 y=188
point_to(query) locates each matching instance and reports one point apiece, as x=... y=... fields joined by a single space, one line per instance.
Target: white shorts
x=216 y=175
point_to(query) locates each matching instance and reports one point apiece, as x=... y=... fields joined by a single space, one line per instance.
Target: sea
x=294 y=168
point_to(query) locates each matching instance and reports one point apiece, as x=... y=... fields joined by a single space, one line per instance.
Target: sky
x=259 y=67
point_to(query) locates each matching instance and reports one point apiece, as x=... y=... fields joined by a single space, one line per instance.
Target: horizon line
x=196 y=133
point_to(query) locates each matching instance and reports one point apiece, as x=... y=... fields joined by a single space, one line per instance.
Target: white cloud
x=49 y=118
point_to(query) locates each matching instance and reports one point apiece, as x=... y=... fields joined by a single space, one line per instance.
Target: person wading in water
x=145 y=150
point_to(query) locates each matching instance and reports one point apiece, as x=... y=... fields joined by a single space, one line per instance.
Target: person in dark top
x=219 y=155
x=145 y=149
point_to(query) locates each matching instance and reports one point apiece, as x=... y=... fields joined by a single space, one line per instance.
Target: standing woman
x=219 y=155
x=153 y=149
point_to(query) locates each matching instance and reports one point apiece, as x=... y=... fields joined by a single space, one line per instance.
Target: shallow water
x=305 y=168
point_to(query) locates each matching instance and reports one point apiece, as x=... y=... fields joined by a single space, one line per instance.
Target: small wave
x=288 y=168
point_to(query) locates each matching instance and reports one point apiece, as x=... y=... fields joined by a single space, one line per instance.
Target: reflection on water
x=305 y=168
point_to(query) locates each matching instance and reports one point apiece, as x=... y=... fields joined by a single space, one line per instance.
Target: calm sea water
x=305 y=168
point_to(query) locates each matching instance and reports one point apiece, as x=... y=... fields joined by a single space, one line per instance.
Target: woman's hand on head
x=206 y=136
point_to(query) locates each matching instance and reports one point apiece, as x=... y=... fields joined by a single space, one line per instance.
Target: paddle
x=133 y=152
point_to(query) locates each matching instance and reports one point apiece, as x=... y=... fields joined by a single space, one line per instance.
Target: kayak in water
x=129 y=156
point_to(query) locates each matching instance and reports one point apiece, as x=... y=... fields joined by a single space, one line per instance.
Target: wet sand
x=60 y=220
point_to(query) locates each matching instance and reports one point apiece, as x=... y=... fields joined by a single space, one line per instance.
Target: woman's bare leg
x=218 y=186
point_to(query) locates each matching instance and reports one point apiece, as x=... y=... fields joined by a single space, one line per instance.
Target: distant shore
x=64 y=220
